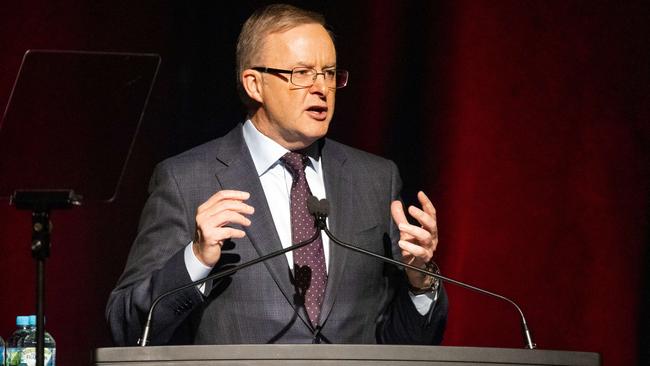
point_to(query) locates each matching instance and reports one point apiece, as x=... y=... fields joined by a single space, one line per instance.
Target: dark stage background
x=527 y=122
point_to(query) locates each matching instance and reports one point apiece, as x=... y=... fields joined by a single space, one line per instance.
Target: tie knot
x=295 y=162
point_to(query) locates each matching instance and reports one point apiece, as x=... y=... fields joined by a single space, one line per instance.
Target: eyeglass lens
x=306 y=77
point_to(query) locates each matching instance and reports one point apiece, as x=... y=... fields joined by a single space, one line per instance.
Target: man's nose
x=320 y=85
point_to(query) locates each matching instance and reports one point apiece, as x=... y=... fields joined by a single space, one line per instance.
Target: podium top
x=321 y=355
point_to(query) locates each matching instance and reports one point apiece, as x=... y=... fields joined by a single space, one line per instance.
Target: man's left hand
x=418 y=243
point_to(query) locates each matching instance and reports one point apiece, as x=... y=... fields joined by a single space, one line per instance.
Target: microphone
x=320 y=210
x=144 y=339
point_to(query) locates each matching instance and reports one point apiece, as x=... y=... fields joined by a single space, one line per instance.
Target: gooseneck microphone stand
x=320 y=209
x=144 y=339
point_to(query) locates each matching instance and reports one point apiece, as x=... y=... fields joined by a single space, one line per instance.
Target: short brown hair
x=264 y=21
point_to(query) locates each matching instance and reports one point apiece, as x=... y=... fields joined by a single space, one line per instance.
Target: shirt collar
x=266 y=152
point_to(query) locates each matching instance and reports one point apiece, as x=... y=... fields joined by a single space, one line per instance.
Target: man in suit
x=243 y=195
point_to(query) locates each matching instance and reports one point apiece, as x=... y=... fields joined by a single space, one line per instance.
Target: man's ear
x=252 y=82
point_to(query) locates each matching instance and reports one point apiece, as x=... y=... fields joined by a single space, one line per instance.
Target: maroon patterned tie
x=309 y=267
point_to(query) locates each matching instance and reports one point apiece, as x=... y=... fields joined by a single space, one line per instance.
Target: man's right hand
x=213 y=220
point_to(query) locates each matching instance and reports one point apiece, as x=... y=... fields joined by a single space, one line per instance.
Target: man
x=243 y=195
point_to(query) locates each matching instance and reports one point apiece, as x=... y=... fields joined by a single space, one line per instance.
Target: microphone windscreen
x=325 y=207
x=313 y=205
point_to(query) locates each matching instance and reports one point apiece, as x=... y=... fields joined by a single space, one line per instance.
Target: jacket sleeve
x=401 y=322
x=154 y=266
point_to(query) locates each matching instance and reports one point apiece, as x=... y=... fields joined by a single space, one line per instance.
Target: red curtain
x=534 y=130
x=545 y=172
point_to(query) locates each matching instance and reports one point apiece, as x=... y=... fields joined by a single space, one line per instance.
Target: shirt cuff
x=196 y=269
x=423 y=302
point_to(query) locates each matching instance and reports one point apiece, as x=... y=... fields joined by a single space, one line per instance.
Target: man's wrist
x=196 y=268
x=432 y=283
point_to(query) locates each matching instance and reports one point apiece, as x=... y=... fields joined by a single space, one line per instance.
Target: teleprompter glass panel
x=71 y=121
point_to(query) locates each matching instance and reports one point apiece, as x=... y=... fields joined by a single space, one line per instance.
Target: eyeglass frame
x=271 y=70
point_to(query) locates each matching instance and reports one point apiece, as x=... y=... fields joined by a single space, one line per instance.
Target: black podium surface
x=340 y=355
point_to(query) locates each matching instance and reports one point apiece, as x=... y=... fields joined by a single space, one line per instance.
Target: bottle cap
x=32 y=320
x=22 y=321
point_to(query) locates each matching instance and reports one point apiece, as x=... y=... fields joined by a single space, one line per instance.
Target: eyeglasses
x=306 y=76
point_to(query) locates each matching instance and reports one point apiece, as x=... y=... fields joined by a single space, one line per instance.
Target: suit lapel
x=238 y=172
x=337 y=189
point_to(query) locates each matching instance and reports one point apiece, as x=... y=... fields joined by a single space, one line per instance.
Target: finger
x=397 y=211
x=222 y=195
x=226 y=218
x=229 y=205
x=427 y=206
x=216 y=236
x=427 y=221
x=421 y=236
x=415 y=250
x=403 y=235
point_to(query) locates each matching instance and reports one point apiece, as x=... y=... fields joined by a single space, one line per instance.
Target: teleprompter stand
x=41 y=203
x=68 y=130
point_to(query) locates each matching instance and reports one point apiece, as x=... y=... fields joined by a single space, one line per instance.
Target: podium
x=339 y=355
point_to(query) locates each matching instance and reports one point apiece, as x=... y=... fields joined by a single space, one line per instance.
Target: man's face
x=293 y=116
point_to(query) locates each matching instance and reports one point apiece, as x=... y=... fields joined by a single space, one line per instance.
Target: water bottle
x=28 y=344
x=14 y=351
x=2 y=351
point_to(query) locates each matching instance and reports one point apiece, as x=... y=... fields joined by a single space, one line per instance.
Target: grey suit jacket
x=365 y=300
